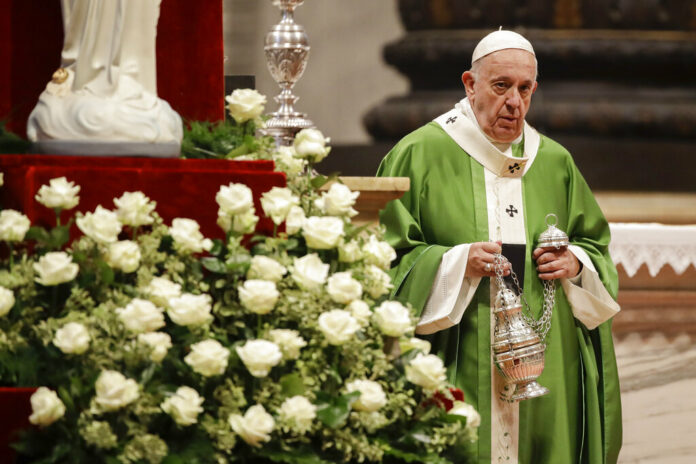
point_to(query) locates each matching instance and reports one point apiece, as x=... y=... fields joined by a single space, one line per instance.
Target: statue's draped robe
x=449 y=204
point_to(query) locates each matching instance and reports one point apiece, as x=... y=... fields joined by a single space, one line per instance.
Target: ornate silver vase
x=518 y=349
x=287 y=51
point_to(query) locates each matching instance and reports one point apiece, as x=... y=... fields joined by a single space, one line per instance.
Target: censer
x=518 y=343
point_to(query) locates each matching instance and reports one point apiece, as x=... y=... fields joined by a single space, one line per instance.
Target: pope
x=482 y=182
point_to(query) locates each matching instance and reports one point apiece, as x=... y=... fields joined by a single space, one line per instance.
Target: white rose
x=265 y=268
x=338 y=326
x=277 y=202
x=289 y=342
x=372 y=396
x=59 y=193
x=339 y=201
x=114 y=391
x=55 y=268
x=415 y=343
x=13 y=225
x=378 y=282
x=7 y=301
x=286 y=159
x=159 y=344
x=360 y=311
x=309 y=272
x=234 y=198
x=184 y=406
x=259 y=356
x=245 y=223
x=72 y=338
x=191 y=310
x=102 y=225
x=254 y=427
x=141 y=316
x=393 y=318
x=258 y=296
x=460 y=408
x=298 y=412
x=187 y=236
x=2 y=179
x=134 y=209
x=378 y=253
x=311 y=144
x=208 y=358
x=46 y=407
x=160 y=290
x=295 y=220
x=124 y=255
x=343 y=288
x=323 y=233
x=349 y=252
x=427 y=371
x=245 y=104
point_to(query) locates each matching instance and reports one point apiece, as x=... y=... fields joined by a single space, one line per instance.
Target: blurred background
x=616 y=77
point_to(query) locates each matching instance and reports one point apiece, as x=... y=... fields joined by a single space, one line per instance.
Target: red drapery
x=189 y=57
x=181 y=188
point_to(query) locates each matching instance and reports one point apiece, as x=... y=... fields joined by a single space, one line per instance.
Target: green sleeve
x=589 y=229
x=417 y=261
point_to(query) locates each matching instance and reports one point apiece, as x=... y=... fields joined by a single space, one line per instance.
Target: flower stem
x=57 y=211
x=9 y=244
x=258 y=325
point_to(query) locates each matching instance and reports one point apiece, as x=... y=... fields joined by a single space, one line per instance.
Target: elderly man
x=483 y=181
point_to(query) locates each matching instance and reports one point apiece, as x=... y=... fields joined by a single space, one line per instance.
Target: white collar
x=469 y=136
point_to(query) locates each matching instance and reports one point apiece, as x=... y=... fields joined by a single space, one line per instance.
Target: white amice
x=103 y=99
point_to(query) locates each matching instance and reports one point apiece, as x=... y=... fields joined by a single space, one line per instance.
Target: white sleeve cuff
x=450 y=294
x=588 y=298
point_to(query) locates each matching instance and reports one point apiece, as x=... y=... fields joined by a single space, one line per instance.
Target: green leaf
x=334 y=411
x=214 y=265
x=319 y=181
x=292 y=384
x=59 y=236
x=105 y=272
x=302 y=455
x=408 y=456
x=218 y=247
x=238 y=263
x=39 y=234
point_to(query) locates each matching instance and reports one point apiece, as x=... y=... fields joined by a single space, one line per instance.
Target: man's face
x=501 y=92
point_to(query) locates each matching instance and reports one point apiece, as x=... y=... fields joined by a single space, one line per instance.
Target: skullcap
x=500 y=40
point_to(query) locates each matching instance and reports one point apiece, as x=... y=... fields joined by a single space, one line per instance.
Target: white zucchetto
x=500 y=40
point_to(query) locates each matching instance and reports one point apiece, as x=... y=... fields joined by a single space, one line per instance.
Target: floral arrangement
x=153 y=344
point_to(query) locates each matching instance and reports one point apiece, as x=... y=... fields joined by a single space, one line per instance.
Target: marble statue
x=103 y=99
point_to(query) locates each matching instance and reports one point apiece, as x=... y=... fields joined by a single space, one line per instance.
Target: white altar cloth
x=652 y=244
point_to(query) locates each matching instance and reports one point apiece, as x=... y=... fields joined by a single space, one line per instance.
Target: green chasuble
x=447 y=205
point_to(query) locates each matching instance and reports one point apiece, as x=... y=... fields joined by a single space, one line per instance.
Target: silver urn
x=287 y=51
x=518 y=349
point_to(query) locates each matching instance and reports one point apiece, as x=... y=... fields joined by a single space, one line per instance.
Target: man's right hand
x=481 y=262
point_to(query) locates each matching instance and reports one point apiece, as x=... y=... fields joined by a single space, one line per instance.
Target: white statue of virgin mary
x=103 y=99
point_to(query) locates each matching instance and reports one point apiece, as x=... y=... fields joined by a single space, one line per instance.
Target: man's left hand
x=556 y=263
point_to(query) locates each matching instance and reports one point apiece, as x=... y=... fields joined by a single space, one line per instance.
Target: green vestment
x=580 y=419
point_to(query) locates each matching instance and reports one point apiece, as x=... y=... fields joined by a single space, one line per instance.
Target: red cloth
x=189 y=57
x=181 y=188
x=15 y=411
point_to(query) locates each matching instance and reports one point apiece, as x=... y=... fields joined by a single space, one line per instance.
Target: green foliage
x=223 y=140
